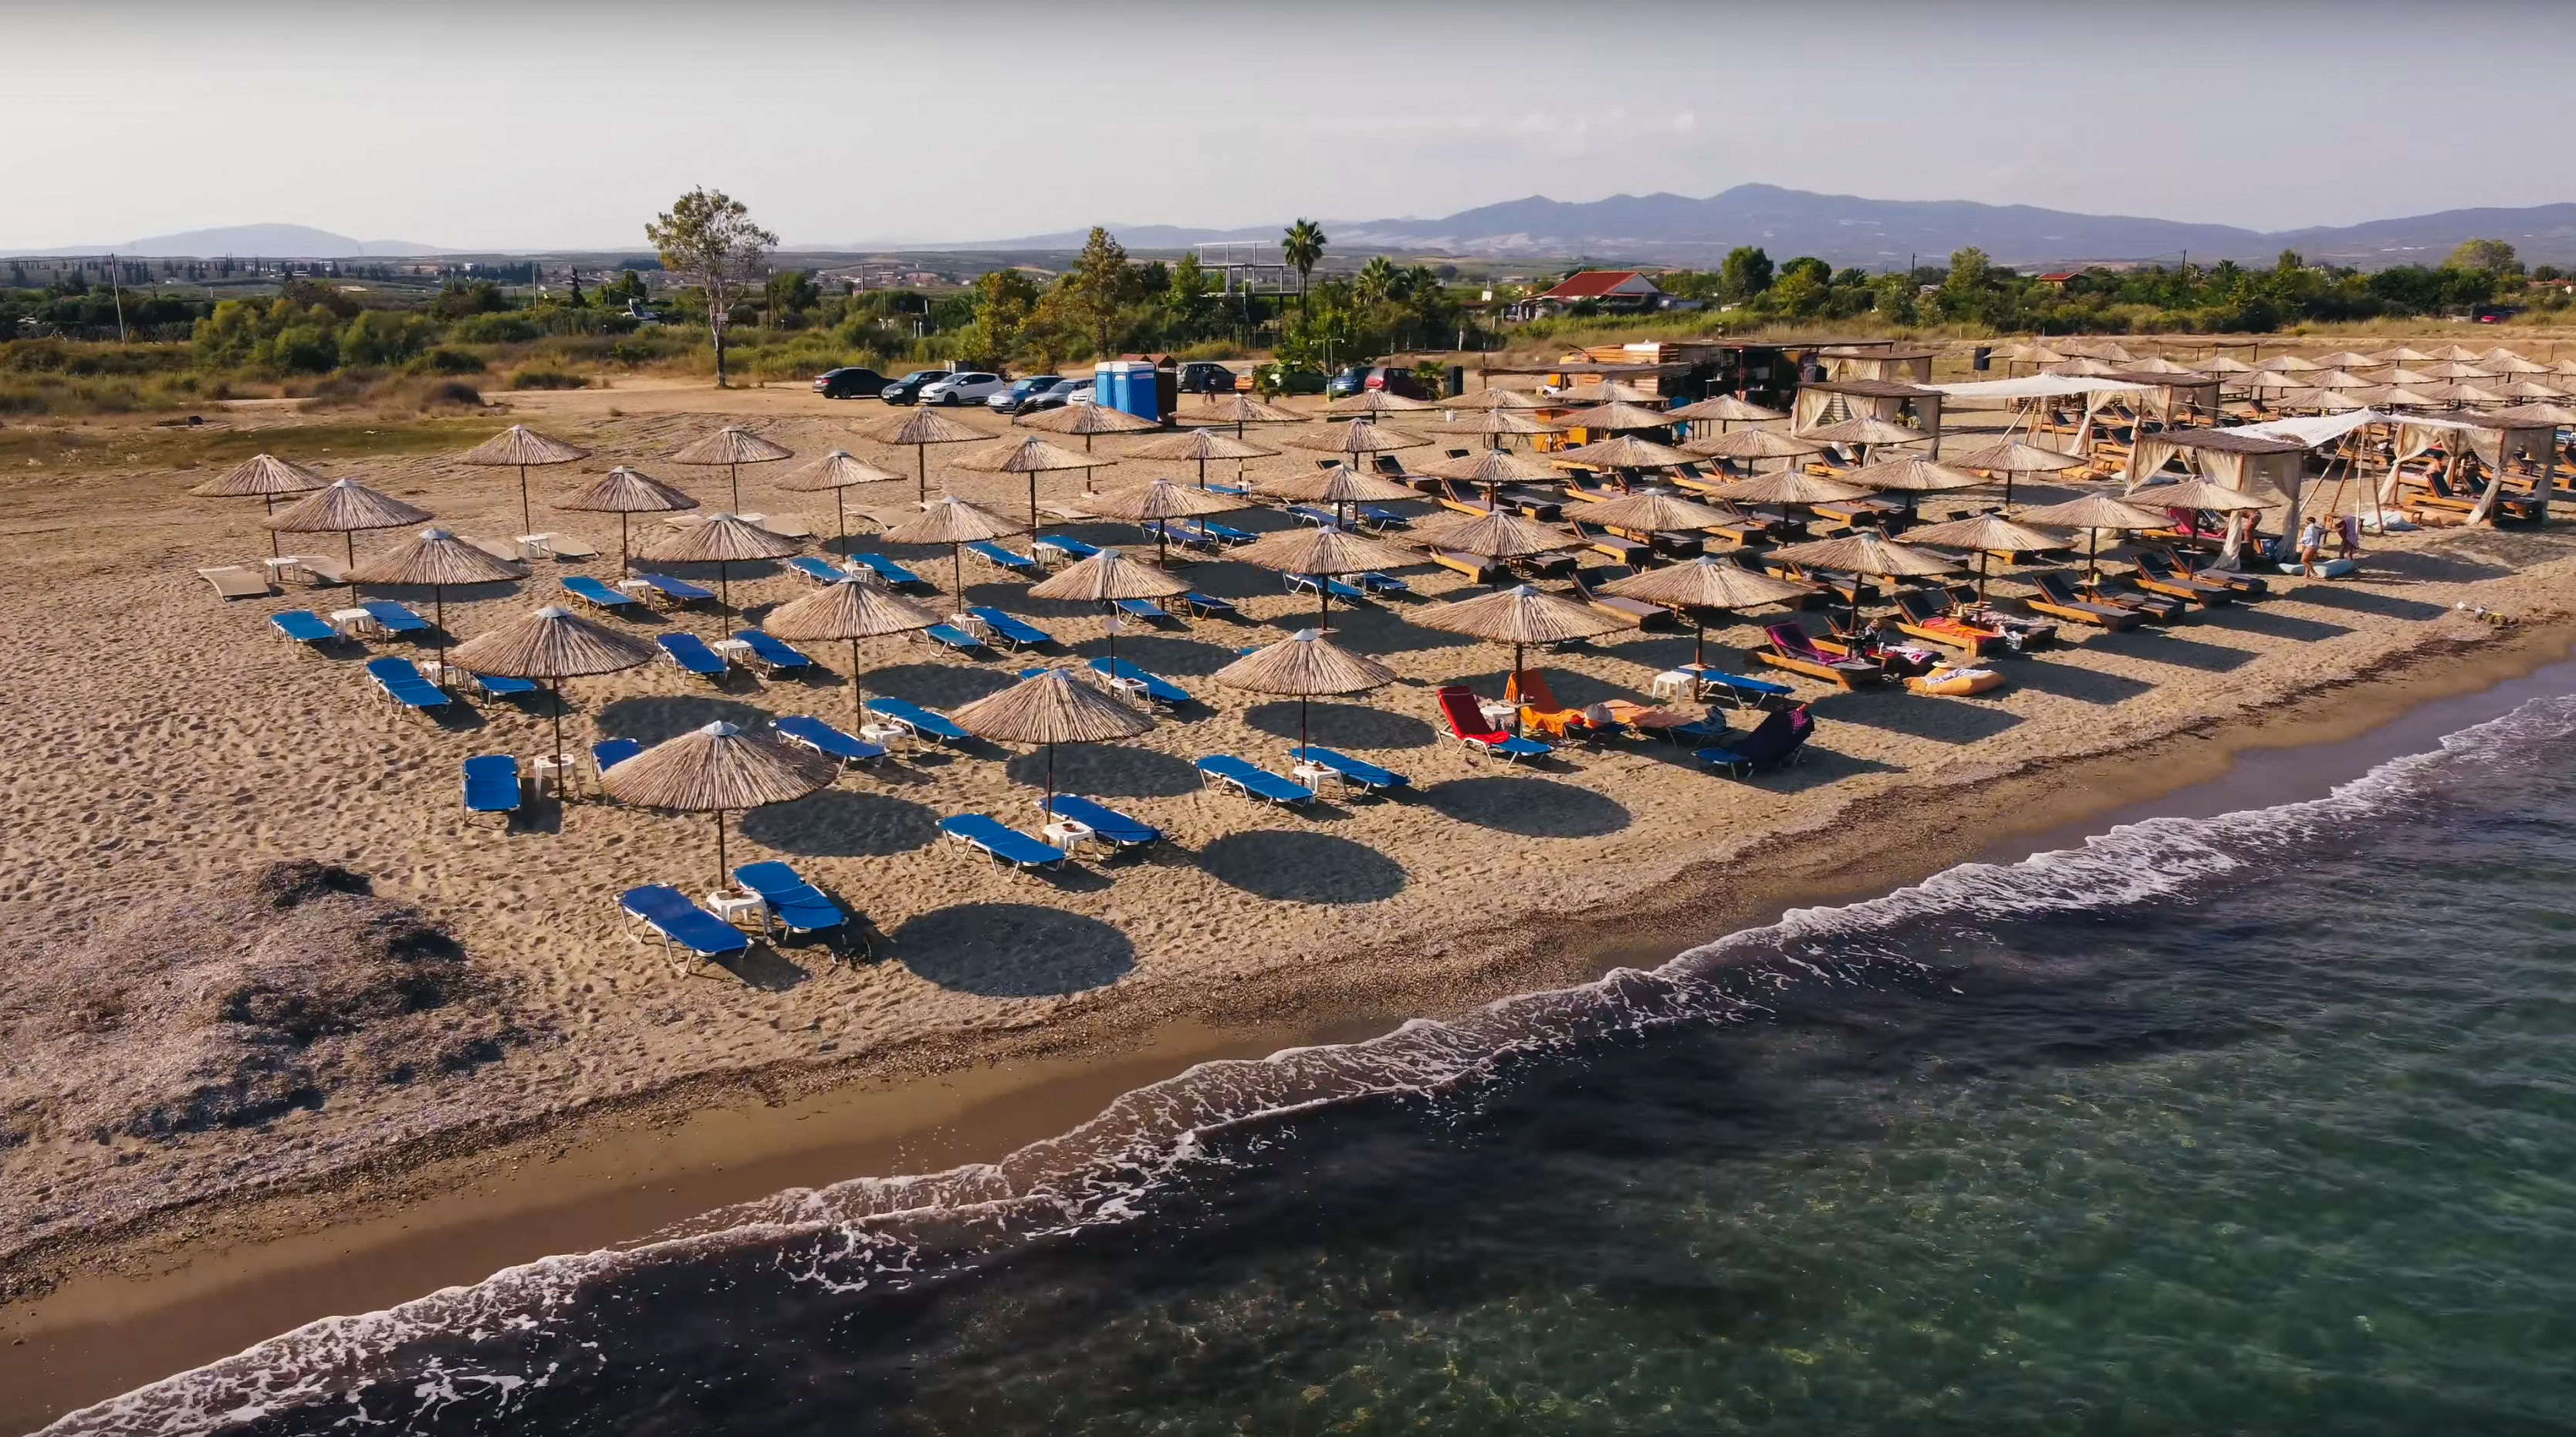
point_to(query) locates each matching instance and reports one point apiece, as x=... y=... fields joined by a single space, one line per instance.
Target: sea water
x=2258 y=1123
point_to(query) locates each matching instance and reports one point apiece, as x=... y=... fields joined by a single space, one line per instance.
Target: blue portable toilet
x=1128 y=385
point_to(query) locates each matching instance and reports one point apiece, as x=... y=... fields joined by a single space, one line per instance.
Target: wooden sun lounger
x=232 y=581
x=2100 y=616
x=1636 y=613
x=1626 y=551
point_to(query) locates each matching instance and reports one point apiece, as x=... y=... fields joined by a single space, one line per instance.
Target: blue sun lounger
x=794 y=904
x=771 y=652
x=1107 y=824
x=954 y=639
x=916 y=720
x=502 y=686
x=1252 y=781
x=405 y=686
x=1741 y=691
x=1360 y=775
x=492 y=785
x=826 y=740
x=599 y=596
x=1309 y=514
x=1001 y=558
x=1161 y=691
x=608 y=753
x=691 y=652
x=304 y=627
x=819 y=570
x=1204 y=605
x=1141 y=610
x=1378 y=584
x=393 y=618
x=1017 y=633
x=895 y=575
x=668 y=914
x=1002 y=843
x=678 y=591
x=1309 y=583
x=1063 y=549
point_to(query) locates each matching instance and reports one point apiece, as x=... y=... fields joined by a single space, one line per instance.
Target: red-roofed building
x=1608 y=288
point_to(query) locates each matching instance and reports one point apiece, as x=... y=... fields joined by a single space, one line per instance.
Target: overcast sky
x=474 y=125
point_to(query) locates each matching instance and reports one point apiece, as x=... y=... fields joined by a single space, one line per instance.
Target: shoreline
x=192 y=1285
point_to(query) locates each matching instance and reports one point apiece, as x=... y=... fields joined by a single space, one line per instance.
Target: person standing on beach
x=2312 y=546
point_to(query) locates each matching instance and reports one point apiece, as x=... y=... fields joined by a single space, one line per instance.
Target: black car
x=907 y=390
x=1201 y=377
x=850 y=383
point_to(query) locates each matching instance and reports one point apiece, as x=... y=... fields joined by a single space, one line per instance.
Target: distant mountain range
x=246 y=241
x=1873 y=234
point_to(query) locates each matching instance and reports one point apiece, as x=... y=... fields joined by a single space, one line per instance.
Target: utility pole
x=117 y=290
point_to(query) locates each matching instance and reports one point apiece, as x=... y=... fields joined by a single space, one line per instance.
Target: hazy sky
x=568 y=124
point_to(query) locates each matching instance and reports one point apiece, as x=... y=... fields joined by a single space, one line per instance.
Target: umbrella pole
x=438 y=611
x=1202 y=474
x=526 y=523
x=1302 y=740
x=274 y=551
x=737 y=501
x=858 y=701
x=1699 y=644
x=720 y=851
x=555 y=688
x=841 y=518
x=1033 y=503
x=921 y=468
x=724 y=595
x=625 y=564
x=957 y=573
x=1049 y=810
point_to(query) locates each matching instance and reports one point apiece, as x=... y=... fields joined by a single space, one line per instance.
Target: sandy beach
x=167 y=748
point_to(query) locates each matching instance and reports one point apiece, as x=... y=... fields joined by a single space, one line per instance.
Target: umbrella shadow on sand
x=1290 y=866
x=1107 y=771
x=1012 y=950
x=1530 y=807
x=652 y=720
x=841 y=823
x=1334 y=725
x=941 y=686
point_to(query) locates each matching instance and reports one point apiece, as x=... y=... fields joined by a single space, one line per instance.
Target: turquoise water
x=2258 y=1123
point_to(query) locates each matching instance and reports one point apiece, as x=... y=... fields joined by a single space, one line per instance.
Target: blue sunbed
x=818 y=570
x=1382 y=583
x=895 y=575
x=678 y=591
x=1000 y=842
x=598 y=595
x=405 y=685
x=1107 y=824
x=1162 y=691
x=1309 y=514
x=1252 y=781
x=393 y=618
x=1001 y=558
x=679 y=923
x=771 y=652
x=492 y=785
x=1741 y=691
x=1225 y=535
x=691 y=652
x=1141 y=610
x=919 y=721
x=1235 y=490
x=304 y=627
x=949 y=636
x=794 y=904
x=1383 y=518
x=1018 y=633
x=1205 y=605
x=1350 y=770
x=608 y=753
x=502 y=686
x=1309 y=583
x=1064 y=548
x=827 y=740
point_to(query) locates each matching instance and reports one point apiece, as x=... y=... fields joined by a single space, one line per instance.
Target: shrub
x=535 y=378
x=495 y=329
x=444 y=360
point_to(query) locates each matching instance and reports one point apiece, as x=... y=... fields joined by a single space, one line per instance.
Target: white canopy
x=2313 y=431
x=2039 y=386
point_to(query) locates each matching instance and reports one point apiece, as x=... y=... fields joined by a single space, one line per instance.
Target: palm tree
x=1302 y=248
x=1379 y=281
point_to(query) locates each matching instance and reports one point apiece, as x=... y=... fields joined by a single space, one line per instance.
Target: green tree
x=708 y=236
x=1186 y=295
x=1302 y=247
x=1745 y=273
x=1086 y=300
x=1965 y=294
x=1005 y=302
x=2492 y=255
x=788 y=297
x=1379 y=281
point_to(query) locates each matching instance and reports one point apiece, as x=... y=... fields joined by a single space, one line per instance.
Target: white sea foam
x=883 y=1233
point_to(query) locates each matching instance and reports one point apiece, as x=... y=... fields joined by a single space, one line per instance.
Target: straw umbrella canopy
x=1625 y=451
x=838 y=471
x=1054 y=707
x=956 y=523
x=1305 y=666
x=1377 y=401
x=1912 y=477
x=2403 y=375
x=2012 y=457
x=733 y=446
x=1866 y=552
x=724 y=541
x=1754 y=444
x=623 y=492
x=1355 y=438
x=1617 y=417
x=345 y=507
x=2458 y=369
x=2095 y=513
x=919 y=429
x=1032 y=457
x=522 y=448
x=849 y=609
x=1494 y=397
x=1150 y=503
x=1340 y=486
x=1783 y=488
x=1703 y=584
x=2348 y=359
x=2158 y=364
x=2274 y=382
x=1608 y=391
x=2340 y=379
x=1987 y=535
x=2532 y=389
x=437 y=558
x=264 y=477
x=1087 y=420
x=715 y=769
x=2455 y=353
x=2083 y=365
x=2467 y=393
x=2508 y=362
x=1494 y=467
x=1199 y=446
x=1499 y=423
x=2222 y=364
x=2402 y=355
x=1498 y=534
x=2401 y=396
x=1652 y=514
x=1868 y=433
x=1725 y=409
x=553 y=643
x=2288 y=364
x=1240 y=410
x=2541 y=412
x=1323 y=551
x=1519 y=616
x=1108 y=576
x=2195 y=492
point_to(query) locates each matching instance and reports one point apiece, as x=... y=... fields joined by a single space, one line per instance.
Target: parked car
x=969 y=386
x=1201 y=377
x=907 y=390
x=1080 y=391
x=1023 y=395
x=1388 y=377
x=850 y=383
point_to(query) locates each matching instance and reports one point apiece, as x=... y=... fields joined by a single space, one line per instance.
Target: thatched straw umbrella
x=1496 y=425
x=623 y=492
x=522 y=448
x=1151 y=503
x=1088 y=420
x=1305 y=666
x=1054 y=707
x=553 y=644
x=1341 y=486
x=1377 y=401
x=1724 y=409
x=345 y=507
x=1617 y=417
x=1912 y=477
x=1752 y=444
x=2225 y=364
x=852 y=608
x=919 y=429
x=1353 y=439
x=1866 y=433
x=2542 y=412
x=715 y=769
x=724 y=541
x=2198 y=494
x=1651 y=514
x=1239 y=410
x=1785 y=489
x=2095 y=513
x=2458 y=369
x=1493 y=468
x=1199 y=446
x=1107 y=577
x=1324 y=551
x=1519 y=617
x=838 y=471
x=956 y=523
x=1498 y=534
x=1032 y=457
x=1492 y=398
x=1624 y=451
x=1987 y=535
x=733 y=446
x=1868 y=553
x=264 y=477
x=1703 y=584
x=2012 y=457
x=2287 y=364
x=438 y=559
x=1609 y=391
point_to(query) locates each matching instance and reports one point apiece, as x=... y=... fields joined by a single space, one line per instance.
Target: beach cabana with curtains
x=1894 y=362
x=1834 y=400
x=2502 y=442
